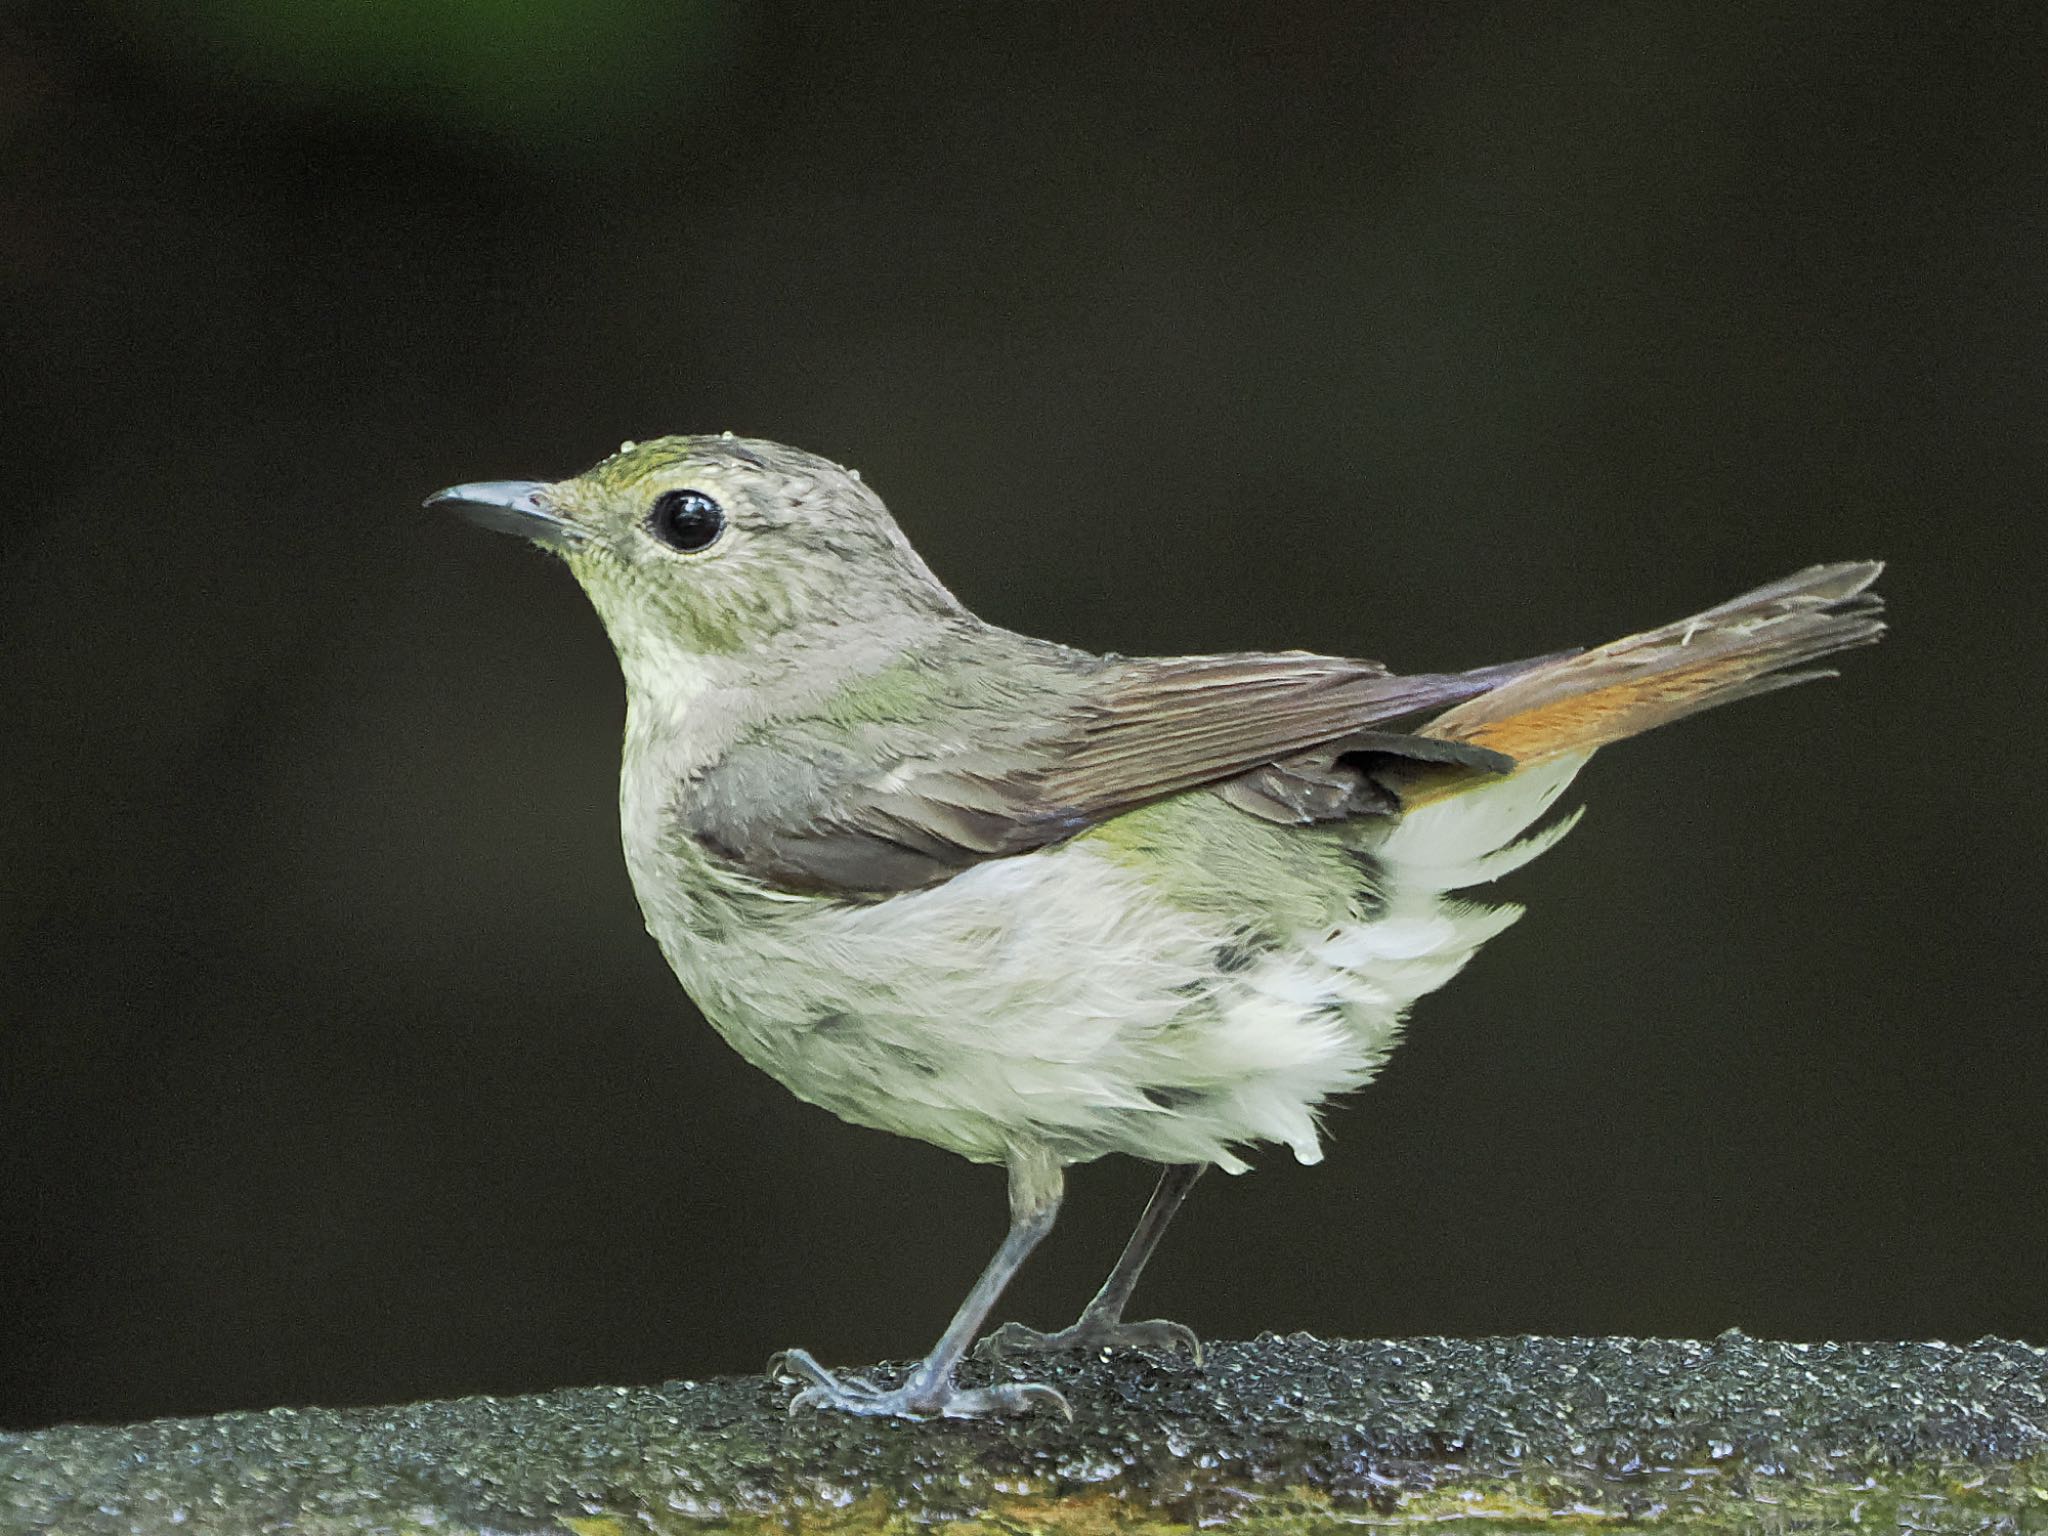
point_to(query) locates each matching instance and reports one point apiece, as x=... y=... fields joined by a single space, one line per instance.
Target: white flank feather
x=1058 y=998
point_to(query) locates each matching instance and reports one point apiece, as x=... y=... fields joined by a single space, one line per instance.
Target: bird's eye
x=686 y=520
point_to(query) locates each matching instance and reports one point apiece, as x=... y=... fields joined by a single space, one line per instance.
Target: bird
x=1036 y=905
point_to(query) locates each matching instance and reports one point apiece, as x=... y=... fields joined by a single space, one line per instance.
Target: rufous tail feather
x=1762 y=640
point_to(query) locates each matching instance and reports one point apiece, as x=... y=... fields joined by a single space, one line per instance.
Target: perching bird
x=1033 y=904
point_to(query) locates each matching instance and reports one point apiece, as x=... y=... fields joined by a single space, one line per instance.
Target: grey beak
x=509 y=506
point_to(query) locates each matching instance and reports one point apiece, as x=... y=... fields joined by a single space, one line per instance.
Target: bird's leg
x=1035 y=1185
x=1101 y=1324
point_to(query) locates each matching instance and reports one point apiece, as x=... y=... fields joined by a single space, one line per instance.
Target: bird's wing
x=1291 y=737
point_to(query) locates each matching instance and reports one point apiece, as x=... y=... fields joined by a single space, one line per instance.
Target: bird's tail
x=1765 y=639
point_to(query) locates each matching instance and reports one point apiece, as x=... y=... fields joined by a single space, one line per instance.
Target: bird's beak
x=510 y=506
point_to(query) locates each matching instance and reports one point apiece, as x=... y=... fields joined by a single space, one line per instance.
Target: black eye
x=686 y=520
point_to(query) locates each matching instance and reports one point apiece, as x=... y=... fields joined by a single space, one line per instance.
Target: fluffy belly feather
x=1113 y=994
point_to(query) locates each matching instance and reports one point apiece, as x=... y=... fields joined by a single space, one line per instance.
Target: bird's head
x=696 y=548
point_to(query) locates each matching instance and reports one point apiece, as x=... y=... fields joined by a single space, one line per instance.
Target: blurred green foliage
x=564 y=75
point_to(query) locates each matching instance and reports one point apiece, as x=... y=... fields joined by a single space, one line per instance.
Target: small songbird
x=1033 y=904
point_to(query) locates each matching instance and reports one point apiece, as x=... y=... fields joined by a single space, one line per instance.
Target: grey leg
x=1036 y=1181
x=1101 y=1324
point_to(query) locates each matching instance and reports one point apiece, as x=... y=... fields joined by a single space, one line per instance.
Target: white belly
x=1057 y=998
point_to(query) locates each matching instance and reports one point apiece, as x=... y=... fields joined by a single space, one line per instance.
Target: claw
x=798 y=1365
x=1020 y=1396
x=1168 y=1337
x=812 y=1398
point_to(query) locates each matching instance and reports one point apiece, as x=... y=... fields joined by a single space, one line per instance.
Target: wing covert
x=1291 y=735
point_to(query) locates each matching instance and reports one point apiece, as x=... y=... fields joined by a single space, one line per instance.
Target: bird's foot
x=1093 y=1335
x=936 y=1397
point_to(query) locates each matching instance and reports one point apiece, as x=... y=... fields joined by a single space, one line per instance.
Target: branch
x=1276 y=1435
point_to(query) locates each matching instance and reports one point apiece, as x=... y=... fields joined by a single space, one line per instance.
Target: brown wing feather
x=1147 y=729
x=1165 y=726
x=1290 y=737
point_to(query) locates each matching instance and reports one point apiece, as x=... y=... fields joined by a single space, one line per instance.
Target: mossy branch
x=1286 y=1434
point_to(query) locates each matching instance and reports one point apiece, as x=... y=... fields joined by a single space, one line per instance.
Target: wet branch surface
x=1295 y=1434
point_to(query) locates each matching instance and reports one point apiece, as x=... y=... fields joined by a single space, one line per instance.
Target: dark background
x=336 y=1065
